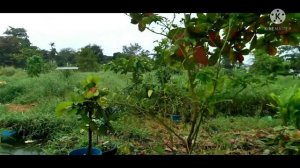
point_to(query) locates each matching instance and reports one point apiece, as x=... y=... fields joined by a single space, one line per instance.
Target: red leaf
x=200 y=55
x=285 y=40
x=240 y=57
x=233 y=34
x=248 y=35
x=272 y=50
x=93 y=89
x=148 y=14
x=180 y=52
x=214 y=39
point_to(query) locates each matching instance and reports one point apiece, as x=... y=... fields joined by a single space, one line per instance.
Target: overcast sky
x=110 y=31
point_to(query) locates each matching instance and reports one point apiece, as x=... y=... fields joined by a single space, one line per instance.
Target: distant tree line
x=16 y=48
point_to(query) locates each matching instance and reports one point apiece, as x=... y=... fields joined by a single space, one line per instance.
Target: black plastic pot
x=110 y=152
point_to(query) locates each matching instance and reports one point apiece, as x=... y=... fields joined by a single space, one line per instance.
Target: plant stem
x=89 y=152
x=219 y=61
x=195 y=111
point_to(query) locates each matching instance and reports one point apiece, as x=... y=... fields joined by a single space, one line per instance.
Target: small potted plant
x=88 y=103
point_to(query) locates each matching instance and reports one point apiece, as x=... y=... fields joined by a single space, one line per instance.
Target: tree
x=98 y=51
x=291 y=54
x=130 y=51
x=16 y=32
x=86 y=59
x=11 y=45
x=65 y=56
x=117 y=55
x=24 y=53
x=51 y=55
x=7 y=47
x=228 y=35
x=265 y=64
x=90 y=103
x=161 y=50
x=20 y=34
x=134 y=50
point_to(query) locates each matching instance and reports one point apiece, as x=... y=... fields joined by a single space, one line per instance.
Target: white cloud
x=76 y=30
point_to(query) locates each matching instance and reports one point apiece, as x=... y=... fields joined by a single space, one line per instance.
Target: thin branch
x=156 y=32
x=169 y=129
x=220 y=54
x=157 y=118
x=174 y=16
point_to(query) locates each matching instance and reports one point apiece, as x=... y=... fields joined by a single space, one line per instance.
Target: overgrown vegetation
x=196 y=73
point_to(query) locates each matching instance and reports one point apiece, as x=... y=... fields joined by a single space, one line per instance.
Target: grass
x=223 y=134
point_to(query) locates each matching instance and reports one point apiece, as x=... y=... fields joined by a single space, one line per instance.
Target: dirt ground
x=20 y=107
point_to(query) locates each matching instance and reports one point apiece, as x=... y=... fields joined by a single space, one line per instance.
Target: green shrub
x=34 y=66
x=266 y=64
x=248 y=93
x=10 y=92
x=7 y=71
x=32 y=126
x=287 y=105
x=49 y=67
x=282 y=140
x=46 y=86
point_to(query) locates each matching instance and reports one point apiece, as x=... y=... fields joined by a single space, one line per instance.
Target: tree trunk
x=195 y=113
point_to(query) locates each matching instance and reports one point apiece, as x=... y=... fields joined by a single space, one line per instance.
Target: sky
x=111 y=31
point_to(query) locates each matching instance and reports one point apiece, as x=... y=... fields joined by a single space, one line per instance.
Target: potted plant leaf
x=88 y=103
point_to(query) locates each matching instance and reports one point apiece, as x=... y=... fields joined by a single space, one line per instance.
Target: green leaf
x=104 y=92
x=90 y=82
x=159 y=149
x=278 y=128
x=150 y=93
x=251 y=17
x=142 y=26
x=261 y=31
x=89 y=95
x=102 y=129
x=211 y=17
x=205 y=75
x=201 y=17
x=93 y=126
x=293 y=16
x=276 y=99
x=232 y=55
x=293 y=40
x=136 y=16
x=133 y=21
x=245 y=51
x=147 y=20
x=210 y=110
x=175 y=32
x=63 y=107
x=204 y=26
x=103 y=102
